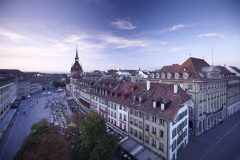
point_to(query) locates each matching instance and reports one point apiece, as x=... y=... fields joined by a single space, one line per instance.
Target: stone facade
x=8 y=94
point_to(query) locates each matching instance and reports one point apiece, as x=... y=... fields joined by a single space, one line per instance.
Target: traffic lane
x=22 y=125
x=226 y=147
x=209 y=144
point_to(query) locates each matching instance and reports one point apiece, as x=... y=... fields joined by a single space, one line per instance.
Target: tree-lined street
x=30 y=111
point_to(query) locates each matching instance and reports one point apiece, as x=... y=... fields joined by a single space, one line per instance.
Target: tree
x=43 y=143
x=59 y=83
x=93 y=142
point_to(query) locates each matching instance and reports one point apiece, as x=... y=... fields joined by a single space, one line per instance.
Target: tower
x=76 y=57
x=76 y=69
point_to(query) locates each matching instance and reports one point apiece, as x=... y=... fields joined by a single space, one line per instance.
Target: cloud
x=177 y=49
x=123 y=24
x=120 y=42
x=101 y=41
x=11 y=35
x=164 y=42
x=174 y=28
x=219 y=35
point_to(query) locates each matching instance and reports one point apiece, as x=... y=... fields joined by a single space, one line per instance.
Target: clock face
x=177 y=75
x=169 y=75
x=185 y=75
x=163 y=75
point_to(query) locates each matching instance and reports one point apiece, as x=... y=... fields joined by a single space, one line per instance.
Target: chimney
x=162 y=106
x=148 y=85
x=175 y=88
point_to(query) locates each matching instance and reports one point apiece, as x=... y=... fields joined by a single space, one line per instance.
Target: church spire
x=76 y=58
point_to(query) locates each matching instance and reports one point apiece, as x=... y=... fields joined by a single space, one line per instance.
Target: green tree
x=59 y=83
x=93 y=142
x=43 y=143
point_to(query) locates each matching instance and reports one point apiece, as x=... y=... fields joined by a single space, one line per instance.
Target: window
x=146 y=139
x=161 y=121
x=154 y=119
x=135 y=122
x=131 y=130
x=136 y=113
x=131 y=111
x=147 y=127
x=135 y=133
x=120 y=107
x=161 y=134
x=147 y=117
x=174 y=133
x=173 y=145
x=153 y=142
x=120 y=116
x=153 y=130
x=131 y=120
x=124 y=117
x=190 y=86
x=140 y=124
x=161 y=147
x=140 y=136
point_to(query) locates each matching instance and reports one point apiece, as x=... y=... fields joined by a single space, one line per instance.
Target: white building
x=8 y=94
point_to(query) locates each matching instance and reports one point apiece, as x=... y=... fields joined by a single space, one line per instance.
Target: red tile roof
x=192 y=66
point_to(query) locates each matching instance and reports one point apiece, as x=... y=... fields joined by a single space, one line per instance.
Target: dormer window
x=163 y=75
x=157 y=75
x=140 y=99
x=176 y=75
x=185 y=75
x=162 y=106
x=169 y=75
x=152 y=75
x=134 y=99
x=154 y=104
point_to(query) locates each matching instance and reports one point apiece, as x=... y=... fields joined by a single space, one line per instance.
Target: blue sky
x=42 y=35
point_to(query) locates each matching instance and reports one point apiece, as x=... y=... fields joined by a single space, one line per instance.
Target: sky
x=42 y=35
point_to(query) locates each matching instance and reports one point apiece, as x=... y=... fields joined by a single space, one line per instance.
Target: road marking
x=220 y=139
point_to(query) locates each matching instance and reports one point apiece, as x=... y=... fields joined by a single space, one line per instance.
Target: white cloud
x=101 y=41
x=123 y=24
x=12 y=35
x=219 y=35
x=164 y=42
x=174 y=28
x=120 y=42
x=177 y=49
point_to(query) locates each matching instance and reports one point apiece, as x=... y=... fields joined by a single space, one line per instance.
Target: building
x=207 y=87
x=155 y=115
x=76 y=69
x=234 y=69
x=23 y=88
x=8 y=94
x=158 y=118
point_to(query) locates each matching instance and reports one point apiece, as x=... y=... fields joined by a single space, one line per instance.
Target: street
x=220 y=143
x=30 y=111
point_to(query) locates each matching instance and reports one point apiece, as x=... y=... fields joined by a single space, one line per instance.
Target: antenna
x=212 y=56
x=190 y=54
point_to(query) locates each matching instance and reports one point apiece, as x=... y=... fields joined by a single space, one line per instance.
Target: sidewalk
x=7 y=119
